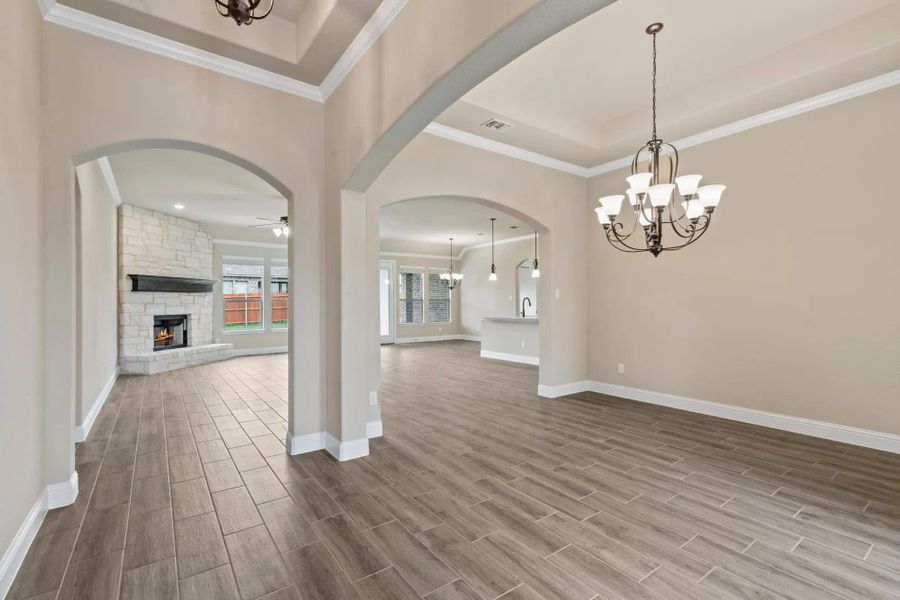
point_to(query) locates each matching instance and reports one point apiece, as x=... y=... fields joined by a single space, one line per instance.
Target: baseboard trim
x=374 y=429
x=322 y=440
x=516 y=358
x=856 y=436
x=63 y=493
x=565 y=389
x=82 y=431
x=348 y=450
x=436 y=338
x=257 y=351
x=18 y=548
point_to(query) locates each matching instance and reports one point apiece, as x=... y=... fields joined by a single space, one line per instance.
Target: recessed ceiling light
x=513 y=226
x=178 y=206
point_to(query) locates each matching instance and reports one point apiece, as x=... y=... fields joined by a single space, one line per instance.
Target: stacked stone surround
x=153 y=243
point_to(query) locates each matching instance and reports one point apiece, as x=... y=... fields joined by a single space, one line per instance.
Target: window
x=410 y=297
x=242 y=296
x=438 y=298
x=278 y=277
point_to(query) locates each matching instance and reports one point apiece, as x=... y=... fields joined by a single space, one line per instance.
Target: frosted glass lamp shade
x=687 y=184
x=710 y=195
x=444 y=276
x=492 y=277
x=286 y=230
x=644 y=222
x=639 y=182
x=660 y=194
x=632 y=198
x=601 y=216
x=692 y=209
x=612 y=204
x=277 y=231
x=536 y=274
x=458 y=276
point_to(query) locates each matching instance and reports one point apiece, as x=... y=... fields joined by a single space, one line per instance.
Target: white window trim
x=280 y=262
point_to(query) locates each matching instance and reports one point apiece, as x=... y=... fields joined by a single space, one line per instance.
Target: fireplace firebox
x=170 y=331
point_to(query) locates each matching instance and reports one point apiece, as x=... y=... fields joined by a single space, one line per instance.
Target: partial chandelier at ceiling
x=244 y=12
x=651 y=199
x=453 y=279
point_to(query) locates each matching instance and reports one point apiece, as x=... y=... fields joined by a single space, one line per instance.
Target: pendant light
x=535 y=271
x=493 y=275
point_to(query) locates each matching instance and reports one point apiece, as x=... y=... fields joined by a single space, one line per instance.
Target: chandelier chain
x=653 y=105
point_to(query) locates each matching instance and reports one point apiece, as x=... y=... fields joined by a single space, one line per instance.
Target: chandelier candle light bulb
x=660 y=222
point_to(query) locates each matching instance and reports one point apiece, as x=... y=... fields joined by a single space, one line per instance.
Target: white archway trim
x=84 y=22
x=110 y=178
x=853 y=90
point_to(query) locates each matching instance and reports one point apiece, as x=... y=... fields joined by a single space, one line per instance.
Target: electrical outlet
x=556 y=293
x=373 y=398
x=621 y=368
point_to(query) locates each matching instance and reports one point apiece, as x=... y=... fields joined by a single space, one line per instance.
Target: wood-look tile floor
x=478 y=490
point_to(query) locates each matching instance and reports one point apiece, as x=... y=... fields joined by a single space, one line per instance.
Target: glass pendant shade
x=710 y=195
x=444 y=276
x=612 y=205
x=639 y=182
x=536 y=273
x=632 y=198
x=660 y=194
x=458 y=276
x=642 y=220
x=601 y=216
x=687 y=184
x=492 y=276
x=692 y=209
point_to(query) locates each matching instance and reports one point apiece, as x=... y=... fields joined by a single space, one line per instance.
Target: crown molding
x=84 y=22
x=110 y=179
x=477 y=141
x=386 y=12
x=417 y=255
x=224 y=242
x=854 y=90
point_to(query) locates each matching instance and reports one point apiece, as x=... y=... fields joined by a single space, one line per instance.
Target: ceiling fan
x=279 y=226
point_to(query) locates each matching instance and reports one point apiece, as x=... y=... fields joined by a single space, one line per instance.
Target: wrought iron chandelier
x=243 y=11
x=453 y=278
x=650 y=196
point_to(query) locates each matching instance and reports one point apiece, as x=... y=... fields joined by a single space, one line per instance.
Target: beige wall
x=102 y=95
x=268 y=338
x=98 y=307
x=483 y=298
x=21 y=371
x=427 y=329
x=789 y=304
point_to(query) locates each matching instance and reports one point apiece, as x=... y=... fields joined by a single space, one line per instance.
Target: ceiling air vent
x=495 y=124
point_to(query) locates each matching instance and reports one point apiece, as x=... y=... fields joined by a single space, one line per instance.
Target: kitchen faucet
x=524 y=300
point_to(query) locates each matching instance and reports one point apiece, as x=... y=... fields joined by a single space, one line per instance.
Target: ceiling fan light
x=660 y=194
x=277 y=231
x=639 y=182
x=286 y=231
x=710 y=195
x=612 y=205
x=687 y=184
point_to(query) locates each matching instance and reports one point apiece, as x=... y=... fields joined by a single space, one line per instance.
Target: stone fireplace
x=164 y=326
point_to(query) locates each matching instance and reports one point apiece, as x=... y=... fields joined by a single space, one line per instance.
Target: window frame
x=427 y=293
x=270 y=263
x=245 y=261
x=421 y=272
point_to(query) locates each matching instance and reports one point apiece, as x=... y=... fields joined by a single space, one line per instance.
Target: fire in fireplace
x=170 y=331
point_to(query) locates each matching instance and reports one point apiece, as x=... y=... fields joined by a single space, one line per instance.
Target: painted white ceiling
x=431 y=221
x=301 y=39
x=212 y=190
x=583 y=96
